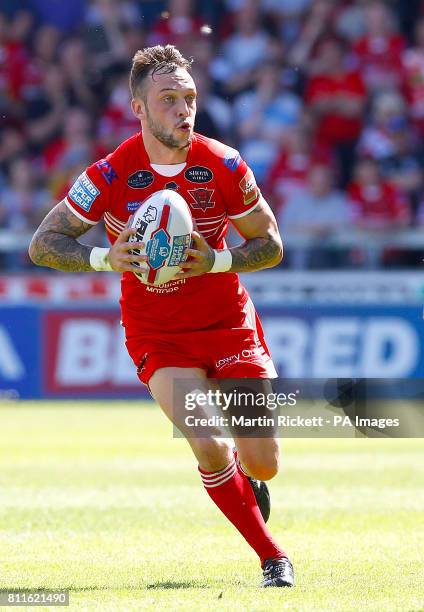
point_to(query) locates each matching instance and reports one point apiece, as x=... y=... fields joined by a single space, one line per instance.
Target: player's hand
x=200 y=256
x=120 y=257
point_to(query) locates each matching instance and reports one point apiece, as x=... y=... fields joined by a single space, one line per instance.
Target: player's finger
x=139 y=269
x=194 y=253
x=191 y=265
x=126 y=233
x=134 y=257
x=130 y=267
x=188 y=265
x=198 y=239
x=128 y=246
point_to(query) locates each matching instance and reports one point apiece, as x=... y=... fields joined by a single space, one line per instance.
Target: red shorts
x=239 y=352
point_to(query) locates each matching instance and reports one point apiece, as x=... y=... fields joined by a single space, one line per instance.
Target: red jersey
x=413 y=65
x=379 y=203
x=217 y=185
x=380 y=60
x=289 y=173
x=333 y=127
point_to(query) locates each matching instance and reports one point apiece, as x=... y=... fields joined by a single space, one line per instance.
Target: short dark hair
x=158 y=59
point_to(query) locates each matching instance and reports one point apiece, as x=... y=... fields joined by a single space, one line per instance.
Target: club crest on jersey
x=107 y=171
x=202 y=198
x=151 y=214
x=83 y=192
x=157 y=248
x=249 y=188
x=172 y=185
x=198 y=174
x=140 y=179
x=231 y=159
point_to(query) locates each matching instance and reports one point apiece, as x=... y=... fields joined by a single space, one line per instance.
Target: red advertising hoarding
x=85 y=354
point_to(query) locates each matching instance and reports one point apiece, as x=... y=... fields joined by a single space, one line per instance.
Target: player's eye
x=190 y=99
x=168 y=99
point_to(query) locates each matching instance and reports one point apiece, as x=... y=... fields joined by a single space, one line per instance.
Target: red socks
x=232 y=493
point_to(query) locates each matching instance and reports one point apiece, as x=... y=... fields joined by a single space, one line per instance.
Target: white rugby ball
x=164 y=223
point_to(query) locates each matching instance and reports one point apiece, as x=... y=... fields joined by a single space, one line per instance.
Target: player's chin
x=185 y=138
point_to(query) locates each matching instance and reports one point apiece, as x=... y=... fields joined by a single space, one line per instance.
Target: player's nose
x=183 y=110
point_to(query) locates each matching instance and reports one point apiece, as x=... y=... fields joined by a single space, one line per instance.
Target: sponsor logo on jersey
x=202 y=198
x=133 y=206
x=170 y=287
x=107 y=171
x=231 y=159
x=231 y=359
x=140 y=179
x=151 y=214
x=179 y=244
x=172 y=185
x=249 y=188
x=83 y=192
x=198 y=174
x=158 y=248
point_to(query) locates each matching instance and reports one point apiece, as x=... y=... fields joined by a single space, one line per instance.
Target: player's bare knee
x=262 y=468
x=212 y=454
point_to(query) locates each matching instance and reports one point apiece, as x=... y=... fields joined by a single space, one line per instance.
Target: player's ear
x=138 y=108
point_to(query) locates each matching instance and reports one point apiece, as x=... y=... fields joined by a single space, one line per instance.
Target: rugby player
x=202 y=325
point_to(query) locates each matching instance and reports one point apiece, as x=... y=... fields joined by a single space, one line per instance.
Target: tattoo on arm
x=55 y=243
x=255 y=254
x=260 y=252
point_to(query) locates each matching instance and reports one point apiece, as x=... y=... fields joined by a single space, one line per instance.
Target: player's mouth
x=185 y=126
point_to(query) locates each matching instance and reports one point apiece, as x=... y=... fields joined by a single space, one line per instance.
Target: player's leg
x=169 y=387
x=227 y=486
x=259 y=457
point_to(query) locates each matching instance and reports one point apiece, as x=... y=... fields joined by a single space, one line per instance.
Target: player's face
x=170 y=108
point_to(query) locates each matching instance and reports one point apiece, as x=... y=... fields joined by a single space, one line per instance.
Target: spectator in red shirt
x=13 y=59
x=288 y=175
x=379 y=52
x=413 y=70
x=177 y=25
x=377 y=204
x=117 y=121
x=336 y=98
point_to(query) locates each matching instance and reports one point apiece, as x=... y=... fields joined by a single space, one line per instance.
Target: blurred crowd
x=323 y=98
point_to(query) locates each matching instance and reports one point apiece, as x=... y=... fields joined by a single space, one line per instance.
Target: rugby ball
x=164 y=223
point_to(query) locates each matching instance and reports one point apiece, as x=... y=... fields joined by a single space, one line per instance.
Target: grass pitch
x=100 y=499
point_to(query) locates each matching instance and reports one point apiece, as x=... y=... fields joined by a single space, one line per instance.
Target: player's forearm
x=256 y=254
x=60 y=251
